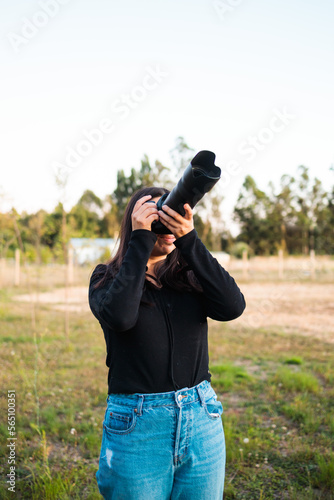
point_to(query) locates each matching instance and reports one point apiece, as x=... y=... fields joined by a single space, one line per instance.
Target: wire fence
x=14 y=273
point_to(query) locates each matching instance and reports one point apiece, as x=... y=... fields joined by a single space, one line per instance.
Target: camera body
x=198 y=178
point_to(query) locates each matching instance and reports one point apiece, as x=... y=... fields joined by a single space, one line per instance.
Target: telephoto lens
x=198 y=178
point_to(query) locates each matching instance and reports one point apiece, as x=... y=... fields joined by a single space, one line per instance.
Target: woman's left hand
x=179 y=225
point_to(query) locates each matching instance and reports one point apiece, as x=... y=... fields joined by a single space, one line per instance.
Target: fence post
x=2 y=271
x=70 y=266
x=280 y=264
x=17 y=267
x=245 y=264
x=312 y=264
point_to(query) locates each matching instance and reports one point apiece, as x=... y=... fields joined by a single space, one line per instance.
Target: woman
x=162 y=431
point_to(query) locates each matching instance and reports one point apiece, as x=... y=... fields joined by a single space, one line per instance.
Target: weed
x=225 y=376
x=324 y=478
x=294 y=360
x=296 y=381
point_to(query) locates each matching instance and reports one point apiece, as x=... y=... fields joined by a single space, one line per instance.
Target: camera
x=198 y=178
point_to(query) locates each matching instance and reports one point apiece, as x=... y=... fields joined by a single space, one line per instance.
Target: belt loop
x=200 y=395
x=140 y=405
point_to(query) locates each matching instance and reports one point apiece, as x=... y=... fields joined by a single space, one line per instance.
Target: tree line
x=296 y=217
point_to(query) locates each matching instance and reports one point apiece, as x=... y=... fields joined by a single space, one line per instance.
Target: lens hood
x=198 y=178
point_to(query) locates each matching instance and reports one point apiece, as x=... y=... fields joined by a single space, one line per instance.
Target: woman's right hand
x=144 y=214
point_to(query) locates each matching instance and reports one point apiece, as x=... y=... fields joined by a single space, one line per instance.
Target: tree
x=181 y=155
x=295 y=219
x=159 y=175
x=307 y=202
x=7 y=234
x=61 y=178
x=251 y=212
x=324 y=228
x=35 y=224
x=52 y=227
x=90 y=201
x=83 y=218
x=126 y=186
x=109 y=224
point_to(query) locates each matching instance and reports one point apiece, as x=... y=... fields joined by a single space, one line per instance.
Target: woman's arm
x=223 y=298
x=224 y=301
x=117 y=303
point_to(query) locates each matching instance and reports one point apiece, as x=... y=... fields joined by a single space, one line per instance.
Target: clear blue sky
x=227 y=69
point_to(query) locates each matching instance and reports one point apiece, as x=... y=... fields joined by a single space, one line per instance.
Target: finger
x=172 y=213
x=146 y=206
x=188 y=210
x=147 y=217
x=166 y=223
x=167 y=219
x=175 y=215
x=141 y=201
x=145 y=209
x=153 y=217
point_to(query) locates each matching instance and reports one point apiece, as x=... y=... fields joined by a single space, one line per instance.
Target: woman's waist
x=180 y=397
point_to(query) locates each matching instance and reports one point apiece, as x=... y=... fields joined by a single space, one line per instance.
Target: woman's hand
x=144 y=214
x=175 y=222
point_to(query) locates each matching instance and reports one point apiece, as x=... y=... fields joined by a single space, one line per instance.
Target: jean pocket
x=213 y=407
x=119 y=421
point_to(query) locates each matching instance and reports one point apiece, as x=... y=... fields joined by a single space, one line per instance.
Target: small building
x=87 y=250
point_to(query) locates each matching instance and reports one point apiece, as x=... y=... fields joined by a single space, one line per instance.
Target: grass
x=276 y=390
x=290 y=381
x=226 y=376
x=325 y=472
x=294 y=360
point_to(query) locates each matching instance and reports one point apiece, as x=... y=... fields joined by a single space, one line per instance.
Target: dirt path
x=76 y=300
x=304 y=308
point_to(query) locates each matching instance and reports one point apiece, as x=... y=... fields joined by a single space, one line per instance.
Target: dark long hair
x=173 y=271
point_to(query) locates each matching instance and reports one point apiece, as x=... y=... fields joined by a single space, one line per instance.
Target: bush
x=237 y=249
x=30 y=252
x=46 y=255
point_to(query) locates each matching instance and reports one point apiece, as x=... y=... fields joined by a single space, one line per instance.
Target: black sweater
x=161 y=347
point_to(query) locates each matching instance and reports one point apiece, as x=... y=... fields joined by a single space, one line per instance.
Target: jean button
x=181 y=396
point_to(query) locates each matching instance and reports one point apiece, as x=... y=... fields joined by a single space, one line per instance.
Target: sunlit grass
x=293 y=360
x=325 y=473
x=226 y=376
x=296 y=381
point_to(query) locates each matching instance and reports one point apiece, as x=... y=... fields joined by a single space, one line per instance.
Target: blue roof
x=79 y=242
x=91 y=249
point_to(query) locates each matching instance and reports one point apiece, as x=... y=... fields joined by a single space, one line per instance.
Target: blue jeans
x=163 y=446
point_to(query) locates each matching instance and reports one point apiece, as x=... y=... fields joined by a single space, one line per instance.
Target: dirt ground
x=302 y=308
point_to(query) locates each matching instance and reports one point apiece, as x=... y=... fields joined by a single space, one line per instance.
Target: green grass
x=276 y=390
x=296 y=381
x=325 y=472
x=294 y=360
x=227 y=376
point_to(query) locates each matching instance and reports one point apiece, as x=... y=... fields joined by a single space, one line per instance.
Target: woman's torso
x=165 y=350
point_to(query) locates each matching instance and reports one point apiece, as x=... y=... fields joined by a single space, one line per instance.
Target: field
x=273 y=370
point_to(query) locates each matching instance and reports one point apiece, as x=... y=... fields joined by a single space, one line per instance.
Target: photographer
x=162 y=436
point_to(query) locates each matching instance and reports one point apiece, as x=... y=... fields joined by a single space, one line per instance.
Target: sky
x=88 y=88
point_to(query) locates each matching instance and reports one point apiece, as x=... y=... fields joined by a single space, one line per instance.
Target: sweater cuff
x=186 y=239
x=144 y=235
